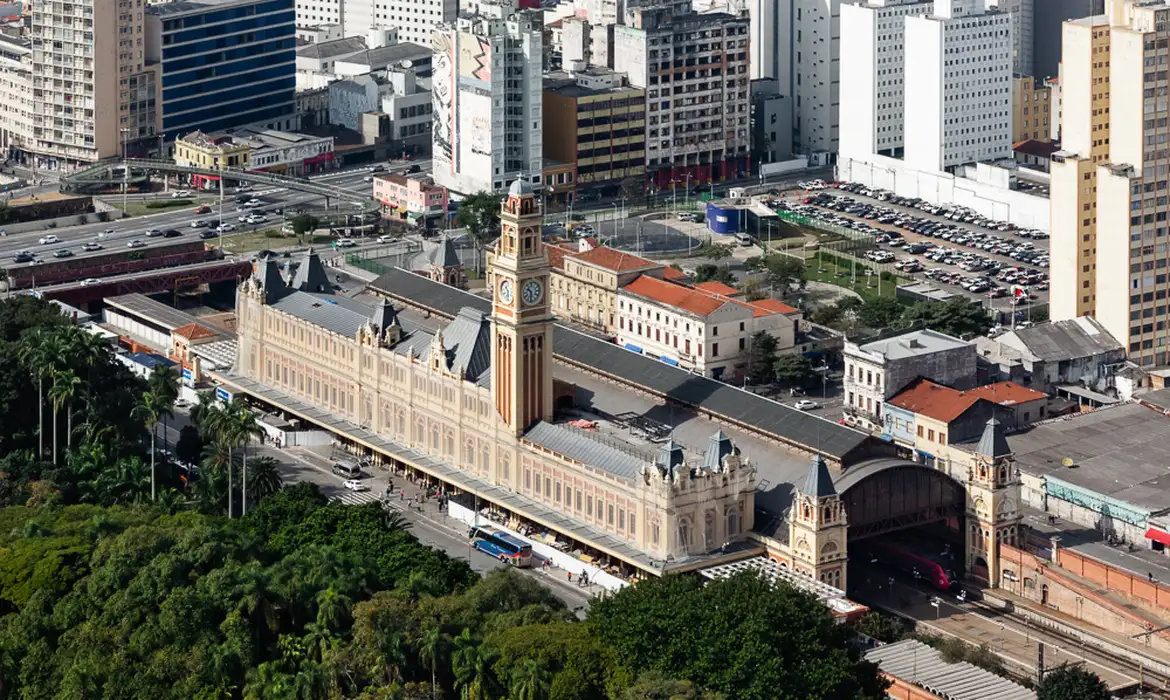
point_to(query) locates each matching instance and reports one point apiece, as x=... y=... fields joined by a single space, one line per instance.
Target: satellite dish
x=1067 y=461
x=407 y=63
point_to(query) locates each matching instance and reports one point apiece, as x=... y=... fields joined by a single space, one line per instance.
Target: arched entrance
x=889 y=495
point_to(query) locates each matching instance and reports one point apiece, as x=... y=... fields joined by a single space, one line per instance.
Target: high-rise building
x=486 y=90
x=1023 y=13
x=414 y=19
x=958 y=85
x=770 y=37
x=92 y=88
x=15 y=96
x=223 y=64
x=815 y=57
x=873 y=82
x=1031 y=110
x=1132 y=259
x=694 y=68
x=1084 y=127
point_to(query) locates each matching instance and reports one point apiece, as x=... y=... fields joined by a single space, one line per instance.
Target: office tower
x=694 y=68
x=223 y=64
x=1085 y=128
x=486 y=91
x=815 y=59
x=414 y=19
x=958 y=85
x=873 y=75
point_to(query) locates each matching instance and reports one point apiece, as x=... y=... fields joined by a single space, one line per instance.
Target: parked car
x=355 y=485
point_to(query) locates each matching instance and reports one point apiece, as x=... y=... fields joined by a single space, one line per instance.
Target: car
x=199 y=223
x=378 y=169
x=244 y=188
x=90 y=280
x=153 y=233
x=179 y=194
x=225 y=228
x=806 y=405
x=172 y=233
x=355 y=485
x=368 y=178
x=253 y=202
x=135 y=243
x=63 y=253
x=383 y=239
x=107 y=232
x=346 y=243
x=46 y=240
x=23 y=257
x=203 y=209
x=414 y=169
x=207 y=234
x=91 y=246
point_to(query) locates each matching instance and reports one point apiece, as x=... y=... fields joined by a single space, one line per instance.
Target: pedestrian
x=570 y=577
x=402 y=494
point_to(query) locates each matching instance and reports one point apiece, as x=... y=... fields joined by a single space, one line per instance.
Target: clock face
x=532 y=292
x=506 y=291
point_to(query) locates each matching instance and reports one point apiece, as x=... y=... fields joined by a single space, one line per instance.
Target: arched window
x=449 y=443
x=684 y=533
x=654 y=533
x=469 y=452
x=435 y=437
x=400 y=422
x=732 y=521
x=807 y=513
x=709 y=528
x=420 y=432
x=485 y=458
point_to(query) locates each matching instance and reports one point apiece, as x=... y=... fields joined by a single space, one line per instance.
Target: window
x=920 y=431
x=930 y=435
x=633 y=528
x=609 y=515
x=589 y=505
x=714 y=349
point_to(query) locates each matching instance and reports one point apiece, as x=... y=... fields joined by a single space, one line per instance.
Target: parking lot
x=956 y=248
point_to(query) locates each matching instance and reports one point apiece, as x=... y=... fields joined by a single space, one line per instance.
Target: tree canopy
x=1071 y=683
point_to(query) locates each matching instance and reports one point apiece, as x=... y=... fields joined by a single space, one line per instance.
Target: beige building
x=1085 y=127
x=15 y=93
x=1031 y=110
x=1114 y=115
x=92 y=89
x=472 y=403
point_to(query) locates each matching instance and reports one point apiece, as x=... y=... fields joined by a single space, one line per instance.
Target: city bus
x=502 y=546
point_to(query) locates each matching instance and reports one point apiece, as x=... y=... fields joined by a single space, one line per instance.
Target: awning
x=634 y=348
x=669 y=360
x=1158 y=536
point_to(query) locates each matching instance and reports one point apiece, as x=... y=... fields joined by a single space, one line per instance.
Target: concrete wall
x=991 y=200
x=63 y=221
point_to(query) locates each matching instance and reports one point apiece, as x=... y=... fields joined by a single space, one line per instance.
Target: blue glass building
x=223 y=64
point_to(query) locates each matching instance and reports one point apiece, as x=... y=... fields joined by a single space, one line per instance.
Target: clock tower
x=521 y=321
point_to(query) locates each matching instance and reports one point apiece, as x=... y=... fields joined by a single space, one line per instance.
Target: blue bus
x=502 y=546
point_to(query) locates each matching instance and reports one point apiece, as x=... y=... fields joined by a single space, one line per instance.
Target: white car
x=153 y=233
x=806 y=405
x=225 y=228
x=179 y=194
x=46 y=240
x=383 y=239
x=346 y=243
x=89 y=281
x=253 y=202
x=355 y=485
x=135 y=244
x=91 y=246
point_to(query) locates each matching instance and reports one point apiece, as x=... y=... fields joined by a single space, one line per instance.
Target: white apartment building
x=815 y=59
x=15 y=95
x=881 y=368
x=91 y=87
x=1133 y=186
x=697 y=329
x=486 y=89
x=873 y=82
x=958 y=85
x=414 y=19
x=770 y=36
x=695 y=70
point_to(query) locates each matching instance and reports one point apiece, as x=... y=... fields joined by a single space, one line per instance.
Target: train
x=929 y=570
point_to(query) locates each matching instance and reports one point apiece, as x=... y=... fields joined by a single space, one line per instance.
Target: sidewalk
x=407 y=498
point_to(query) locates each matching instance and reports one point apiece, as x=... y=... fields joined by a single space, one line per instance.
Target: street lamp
x=125 y=171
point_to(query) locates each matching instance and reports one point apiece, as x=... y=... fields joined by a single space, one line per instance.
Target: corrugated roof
x=731 y=403
x=332 y=49
x=1058 y=341
x=922 y=665
x=331 y=312
x=580 y=447
x=385 y=55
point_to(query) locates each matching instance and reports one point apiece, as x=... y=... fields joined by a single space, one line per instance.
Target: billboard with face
x=443 y=88
x=475 y=61
x=475 y=133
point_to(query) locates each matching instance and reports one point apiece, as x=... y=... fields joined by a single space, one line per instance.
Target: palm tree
x=66 y=386
x=530 y=681
x=332 y=608
x=39 y=351
x=390 y=655
x=265 y=478
x=150 y=410
x=473 y=668
x=218 y=463
x=239 y=426
x=125 y=482
x=206 y=406
x=163 y=383
x=432 y=650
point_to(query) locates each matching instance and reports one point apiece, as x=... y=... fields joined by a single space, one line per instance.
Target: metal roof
x=913 y=344
x=914 y=662
x=730 y=403
x=580 y=447
x=1058 y=341
x=153 y=311
x=468 y=341
x=331 y=49
x=332 y=312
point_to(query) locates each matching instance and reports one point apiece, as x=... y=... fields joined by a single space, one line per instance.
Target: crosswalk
x=358 y=498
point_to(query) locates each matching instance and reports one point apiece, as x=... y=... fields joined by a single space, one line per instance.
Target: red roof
x=1007 y=393
x=194 y=331
x=717 y=288
x=557 y=253
x=676 y=275
x=614 y=260
x=700 y=299
x=936 y=401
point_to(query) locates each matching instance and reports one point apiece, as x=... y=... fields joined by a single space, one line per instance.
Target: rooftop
x=1120 y=451
x=913 y=344
x=1007 y=393
x=153 y=311
x=1033 y=147
x=699 y=300
x=387 y=55
x=919 y=664
x=615 y=260
x=195 y=331
x=333 y=49
x=945 y=404
x=1057 y=341
x=718 y=288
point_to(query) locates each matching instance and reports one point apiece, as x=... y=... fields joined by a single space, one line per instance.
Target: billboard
x=443 y=88
x=475 y=133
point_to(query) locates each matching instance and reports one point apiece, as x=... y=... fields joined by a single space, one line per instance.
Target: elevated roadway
x=168 y=279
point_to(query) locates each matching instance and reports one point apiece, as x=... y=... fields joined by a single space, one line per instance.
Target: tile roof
x=557 y=254
x=615 y=260
x=194 y=331
x=718 y=288
x=1007 y=393
x=673 y=275
x=686 y=298
x=936 y=401
x=700 y=300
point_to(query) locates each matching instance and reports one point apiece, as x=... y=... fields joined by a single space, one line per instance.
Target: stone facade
x=438 y=394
